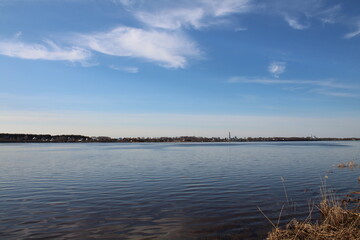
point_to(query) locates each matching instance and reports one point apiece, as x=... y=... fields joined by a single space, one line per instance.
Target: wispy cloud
x=322 y=83
x=295 y=23
x=336 y=93
x=18 y=35
x=323 y=87
x=198 y=14
x=277 y=68
x=300 y=14
x=226 y=7
x=125 y=69
x=329 y=15
x=186 y=14
x=174 y=18
x=125 y=2
x=240 y=29
x=47 y=51
x=354 y=33
x=162 y=39
x=169 y=49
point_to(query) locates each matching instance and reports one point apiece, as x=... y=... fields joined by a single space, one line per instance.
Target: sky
x=144 y=68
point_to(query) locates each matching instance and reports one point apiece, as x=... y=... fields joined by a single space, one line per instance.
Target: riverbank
x=43 y=138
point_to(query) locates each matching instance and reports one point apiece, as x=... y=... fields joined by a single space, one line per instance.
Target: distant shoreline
x=47 y=138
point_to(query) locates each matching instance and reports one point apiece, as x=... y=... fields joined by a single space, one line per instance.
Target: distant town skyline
x=141 y=68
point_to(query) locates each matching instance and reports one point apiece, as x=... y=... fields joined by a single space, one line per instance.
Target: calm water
x=164 y=190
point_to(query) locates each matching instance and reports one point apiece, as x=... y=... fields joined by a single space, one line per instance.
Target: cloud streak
x=197 y=14
x=321 y=83
x=336 y=94
x=327 y=87
x=186 y=14
x=277 y=68
x=299 y=14
x=168 y=49
x=354 y=33
x=329 y=15
x=161 y=38
x=295 y=23
x=47 y=51
x=174 y=18
x=125 y=69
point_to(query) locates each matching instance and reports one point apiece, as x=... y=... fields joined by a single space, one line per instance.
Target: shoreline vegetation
x=339 y=220
x=39 y=138
x=336 y=222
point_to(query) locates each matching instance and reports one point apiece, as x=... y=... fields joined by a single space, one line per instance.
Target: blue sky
x=171 y=68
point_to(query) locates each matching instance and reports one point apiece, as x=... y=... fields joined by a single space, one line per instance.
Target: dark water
x=164 y=191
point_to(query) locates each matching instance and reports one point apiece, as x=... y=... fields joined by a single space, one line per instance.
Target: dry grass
x=336 y=222
x=350 y=164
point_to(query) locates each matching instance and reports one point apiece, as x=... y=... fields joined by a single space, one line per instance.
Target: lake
x=165 y=190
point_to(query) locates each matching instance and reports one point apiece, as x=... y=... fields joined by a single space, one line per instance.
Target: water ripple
x=163 y=191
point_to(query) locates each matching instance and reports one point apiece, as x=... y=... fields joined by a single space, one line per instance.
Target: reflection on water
x=163 y=190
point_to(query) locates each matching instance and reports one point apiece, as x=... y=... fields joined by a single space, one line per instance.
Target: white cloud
x=322 y=83
x=169 y=49
x=185 y=14
x=300 y=14
x=295 y=24
x=329 y=15
x=277 y=68
x=336 y=94
x=328 y=87
x=240 y=29
x=125 y=2
x=163 y=41
x=174 y=18
x=18 y=34
x=264 y=80
x=354 y=33
x=202 y=13
x=226 y=7
x=47 y=51
x=125 y=69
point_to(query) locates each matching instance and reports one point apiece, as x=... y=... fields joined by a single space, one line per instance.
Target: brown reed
x=336 y=222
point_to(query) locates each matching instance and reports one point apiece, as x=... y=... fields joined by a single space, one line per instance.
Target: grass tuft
x=336 y=222
x=350 y=164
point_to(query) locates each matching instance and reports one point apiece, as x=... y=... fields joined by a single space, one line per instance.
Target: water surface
x=164 y=190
